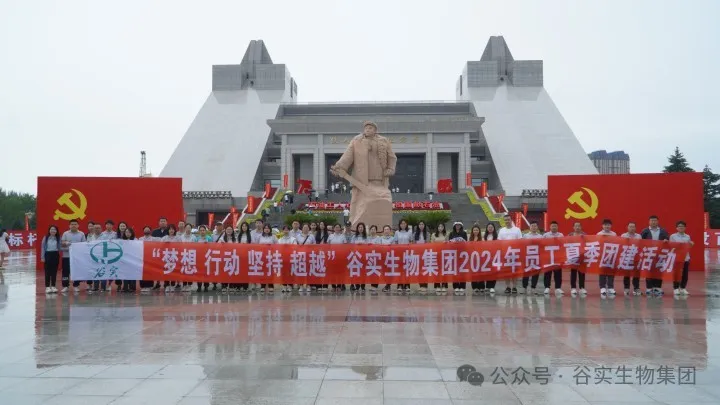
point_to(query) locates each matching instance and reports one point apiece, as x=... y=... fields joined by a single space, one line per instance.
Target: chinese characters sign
x=19 y=240
x=397 y=206
x=348 y=264
x=712 y=238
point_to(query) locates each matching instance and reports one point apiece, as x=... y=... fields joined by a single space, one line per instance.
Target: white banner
x=106 y=260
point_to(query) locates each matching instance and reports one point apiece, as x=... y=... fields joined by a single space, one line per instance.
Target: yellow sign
x=76 y=211
x=587 y=209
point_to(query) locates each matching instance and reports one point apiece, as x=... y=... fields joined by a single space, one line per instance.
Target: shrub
x=431 y=218
x=303 y=217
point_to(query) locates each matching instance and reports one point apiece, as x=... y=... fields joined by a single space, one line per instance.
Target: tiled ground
x=209 y=349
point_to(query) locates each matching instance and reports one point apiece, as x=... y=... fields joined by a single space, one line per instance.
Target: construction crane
x=143 y=164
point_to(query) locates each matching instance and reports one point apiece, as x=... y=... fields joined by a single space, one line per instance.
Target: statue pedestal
x=372 y=206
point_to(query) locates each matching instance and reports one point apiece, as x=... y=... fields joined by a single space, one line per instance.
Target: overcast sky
x=86 y=85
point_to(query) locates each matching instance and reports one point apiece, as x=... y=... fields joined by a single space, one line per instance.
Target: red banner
x=446 y=262
x=524 y=208
x=304 y=186
x=481 y=190
x=211 y=220
x=267 y=190
x=546 y=222
x=138 y=201
x=444 y=186
x=468 y=179
x=623 y=198
x=20 y=240
x=397 y=206
x=252 y=204
x=706 y=220
x=285 y=181
x=712 y=238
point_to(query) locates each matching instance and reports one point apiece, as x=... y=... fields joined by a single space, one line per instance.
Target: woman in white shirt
x=387 y=238
x=421 y=236
x=172 y=236
x=490 y=235
x=403 y=236
x=440 y=236
x=228 y=236
x=361 y=238
x=303 y=239
x=245 y=236
x=287 y=239
x=267 y=238
x=337 y=238
x=373 y=239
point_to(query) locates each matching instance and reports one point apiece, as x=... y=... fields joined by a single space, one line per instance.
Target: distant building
x=617 y=162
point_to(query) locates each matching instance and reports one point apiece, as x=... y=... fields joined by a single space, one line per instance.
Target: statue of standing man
x=368 y=163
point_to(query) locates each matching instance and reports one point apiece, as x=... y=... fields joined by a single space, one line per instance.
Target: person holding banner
x=147 y=285
x=490 y=235
x=267 y=238
x=285 y=239
x=243 y=236
x=577 y=278
x=171 y=236
x=680 y=288
x=557 y=273
x=373 y=239
x=228 y=236
x=606 y=282
x=360 y=238
x=336 y=238
x=478 y=287
x=510 y=232
x=439 y=236
x=188 y=237
x=532 y=281
x=654 y=232
x=69 y=237
x=387 y=238
x=458 y=234
x=421 y=236
x=321 y=237
x=403 y=236
x=631 y=234
x=305 y=238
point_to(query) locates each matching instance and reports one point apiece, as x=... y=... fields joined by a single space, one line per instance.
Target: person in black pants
x=458 y=234
x=532 y=281
x=577 y=278
x=654 y=232
x=50 y=256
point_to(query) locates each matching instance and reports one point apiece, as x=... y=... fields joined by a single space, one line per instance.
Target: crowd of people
x=55 y=253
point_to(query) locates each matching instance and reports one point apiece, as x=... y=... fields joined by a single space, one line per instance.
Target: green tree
x=13 y=206
x=678 y=163
x=711 y=188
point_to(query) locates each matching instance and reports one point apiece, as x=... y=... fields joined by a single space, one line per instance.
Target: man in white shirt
x=510 y=232
x=557 y=273
x=631 y=234
x=607 y=282
x=533 y=234
x=680 y=288
x=257 y=232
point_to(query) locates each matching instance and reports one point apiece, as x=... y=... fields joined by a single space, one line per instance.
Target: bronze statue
x=368 y=163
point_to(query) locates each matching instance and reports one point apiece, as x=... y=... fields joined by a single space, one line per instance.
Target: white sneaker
x=64 y=290
x=583 y=291
x=559 y=291
x=684 y=291
x=676 y=292
x=457 y=290
x=476 y=291
x=547 y=291
x=270 y=289
x=627 y=291
x=53 y=289
x=611 y=291
x=48 y=290
x=492 y=291
x=76 y=289
x=603 y=291
x=649 y=292
x=423 y=290
x=573 y=292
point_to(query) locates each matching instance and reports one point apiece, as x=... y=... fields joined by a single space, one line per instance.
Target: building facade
x=504 y=130
x=617 y=162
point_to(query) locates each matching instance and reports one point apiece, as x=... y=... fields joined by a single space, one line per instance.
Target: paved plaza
x=203 y=349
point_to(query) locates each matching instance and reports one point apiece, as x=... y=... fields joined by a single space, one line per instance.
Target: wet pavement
x=202 y=349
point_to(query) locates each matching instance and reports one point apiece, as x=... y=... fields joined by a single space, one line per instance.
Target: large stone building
x=504 y=129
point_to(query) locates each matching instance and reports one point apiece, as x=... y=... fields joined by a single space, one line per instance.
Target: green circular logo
x=106 y=252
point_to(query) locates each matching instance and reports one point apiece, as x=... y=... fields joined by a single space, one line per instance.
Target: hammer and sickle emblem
x=586 y=210
x=76 y=212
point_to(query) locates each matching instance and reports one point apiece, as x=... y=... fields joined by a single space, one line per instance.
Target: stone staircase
x=461 y=207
